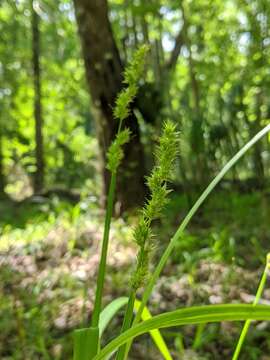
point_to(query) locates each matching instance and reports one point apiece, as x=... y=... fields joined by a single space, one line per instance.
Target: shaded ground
x=47 y=275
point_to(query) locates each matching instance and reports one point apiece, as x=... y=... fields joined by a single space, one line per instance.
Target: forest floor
x=48 y=265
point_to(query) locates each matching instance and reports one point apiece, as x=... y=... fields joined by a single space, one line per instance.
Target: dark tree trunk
x=39 y=173
x=104 y=76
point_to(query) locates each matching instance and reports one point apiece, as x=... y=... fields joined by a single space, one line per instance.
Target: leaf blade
x=112 y=308
x=110 y=311
x=155 y=334
x=191 y=315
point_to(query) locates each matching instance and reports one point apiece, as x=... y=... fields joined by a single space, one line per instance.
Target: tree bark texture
x=104 y=76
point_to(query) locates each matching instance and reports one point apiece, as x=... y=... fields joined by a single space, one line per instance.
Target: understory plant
x=137 y=319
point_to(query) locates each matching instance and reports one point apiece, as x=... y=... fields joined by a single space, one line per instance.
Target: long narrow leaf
x=191 y=315
x=155 y=334
x=110 y=311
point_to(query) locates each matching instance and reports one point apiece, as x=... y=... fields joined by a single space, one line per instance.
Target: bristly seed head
x=132 y=76
x=166 y=153
x=122 y=110
x=115 y=153
x=134 y=71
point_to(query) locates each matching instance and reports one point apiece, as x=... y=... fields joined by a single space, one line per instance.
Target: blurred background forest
x=61 y=66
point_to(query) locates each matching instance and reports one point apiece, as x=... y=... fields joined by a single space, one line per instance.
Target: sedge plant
x=87 y=340
x=180 y=231
x=197 y=314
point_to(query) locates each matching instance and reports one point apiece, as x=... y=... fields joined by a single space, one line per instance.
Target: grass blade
x=155 y=334
x=191 y=315
x=110 y=311
x=256 y=301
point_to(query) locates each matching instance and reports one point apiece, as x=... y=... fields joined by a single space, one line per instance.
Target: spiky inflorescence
x=165 y=155
x=134 y=71
x=132 y=75
x=115 y=153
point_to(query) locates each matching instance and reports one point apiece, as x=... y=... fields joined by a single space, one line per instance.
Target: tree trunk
x=104 y=76
x=39 y=173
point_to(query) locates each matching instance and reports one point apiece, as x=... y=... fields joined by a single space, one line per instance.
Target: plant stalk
x=127 y=323
x=104 y=251
x=255 y=302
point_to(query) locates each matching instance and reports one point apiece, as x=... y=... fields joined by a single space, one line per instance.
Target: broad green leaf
x=109 y=312
x=86 y=343
x=191 y=315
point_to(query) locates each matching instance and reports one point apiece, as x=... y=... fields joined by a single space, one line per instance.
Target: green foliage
x=216 y=92
x=192 y=315
x=65 y=100
x=213 y=335
x=230 y=82
x=111 y=310
x=189 y=216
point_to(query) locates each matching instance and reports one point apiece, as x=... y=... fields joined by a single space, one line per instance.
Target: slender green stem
x=114 y=156
x=198 y=336
x=104 y=251
x=127 y=322
x=185 y=222
x=255 y=302
x=105 y=244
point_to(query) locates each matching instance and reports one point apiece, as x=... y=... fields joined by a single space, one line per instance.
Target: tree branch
x=179 y=41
